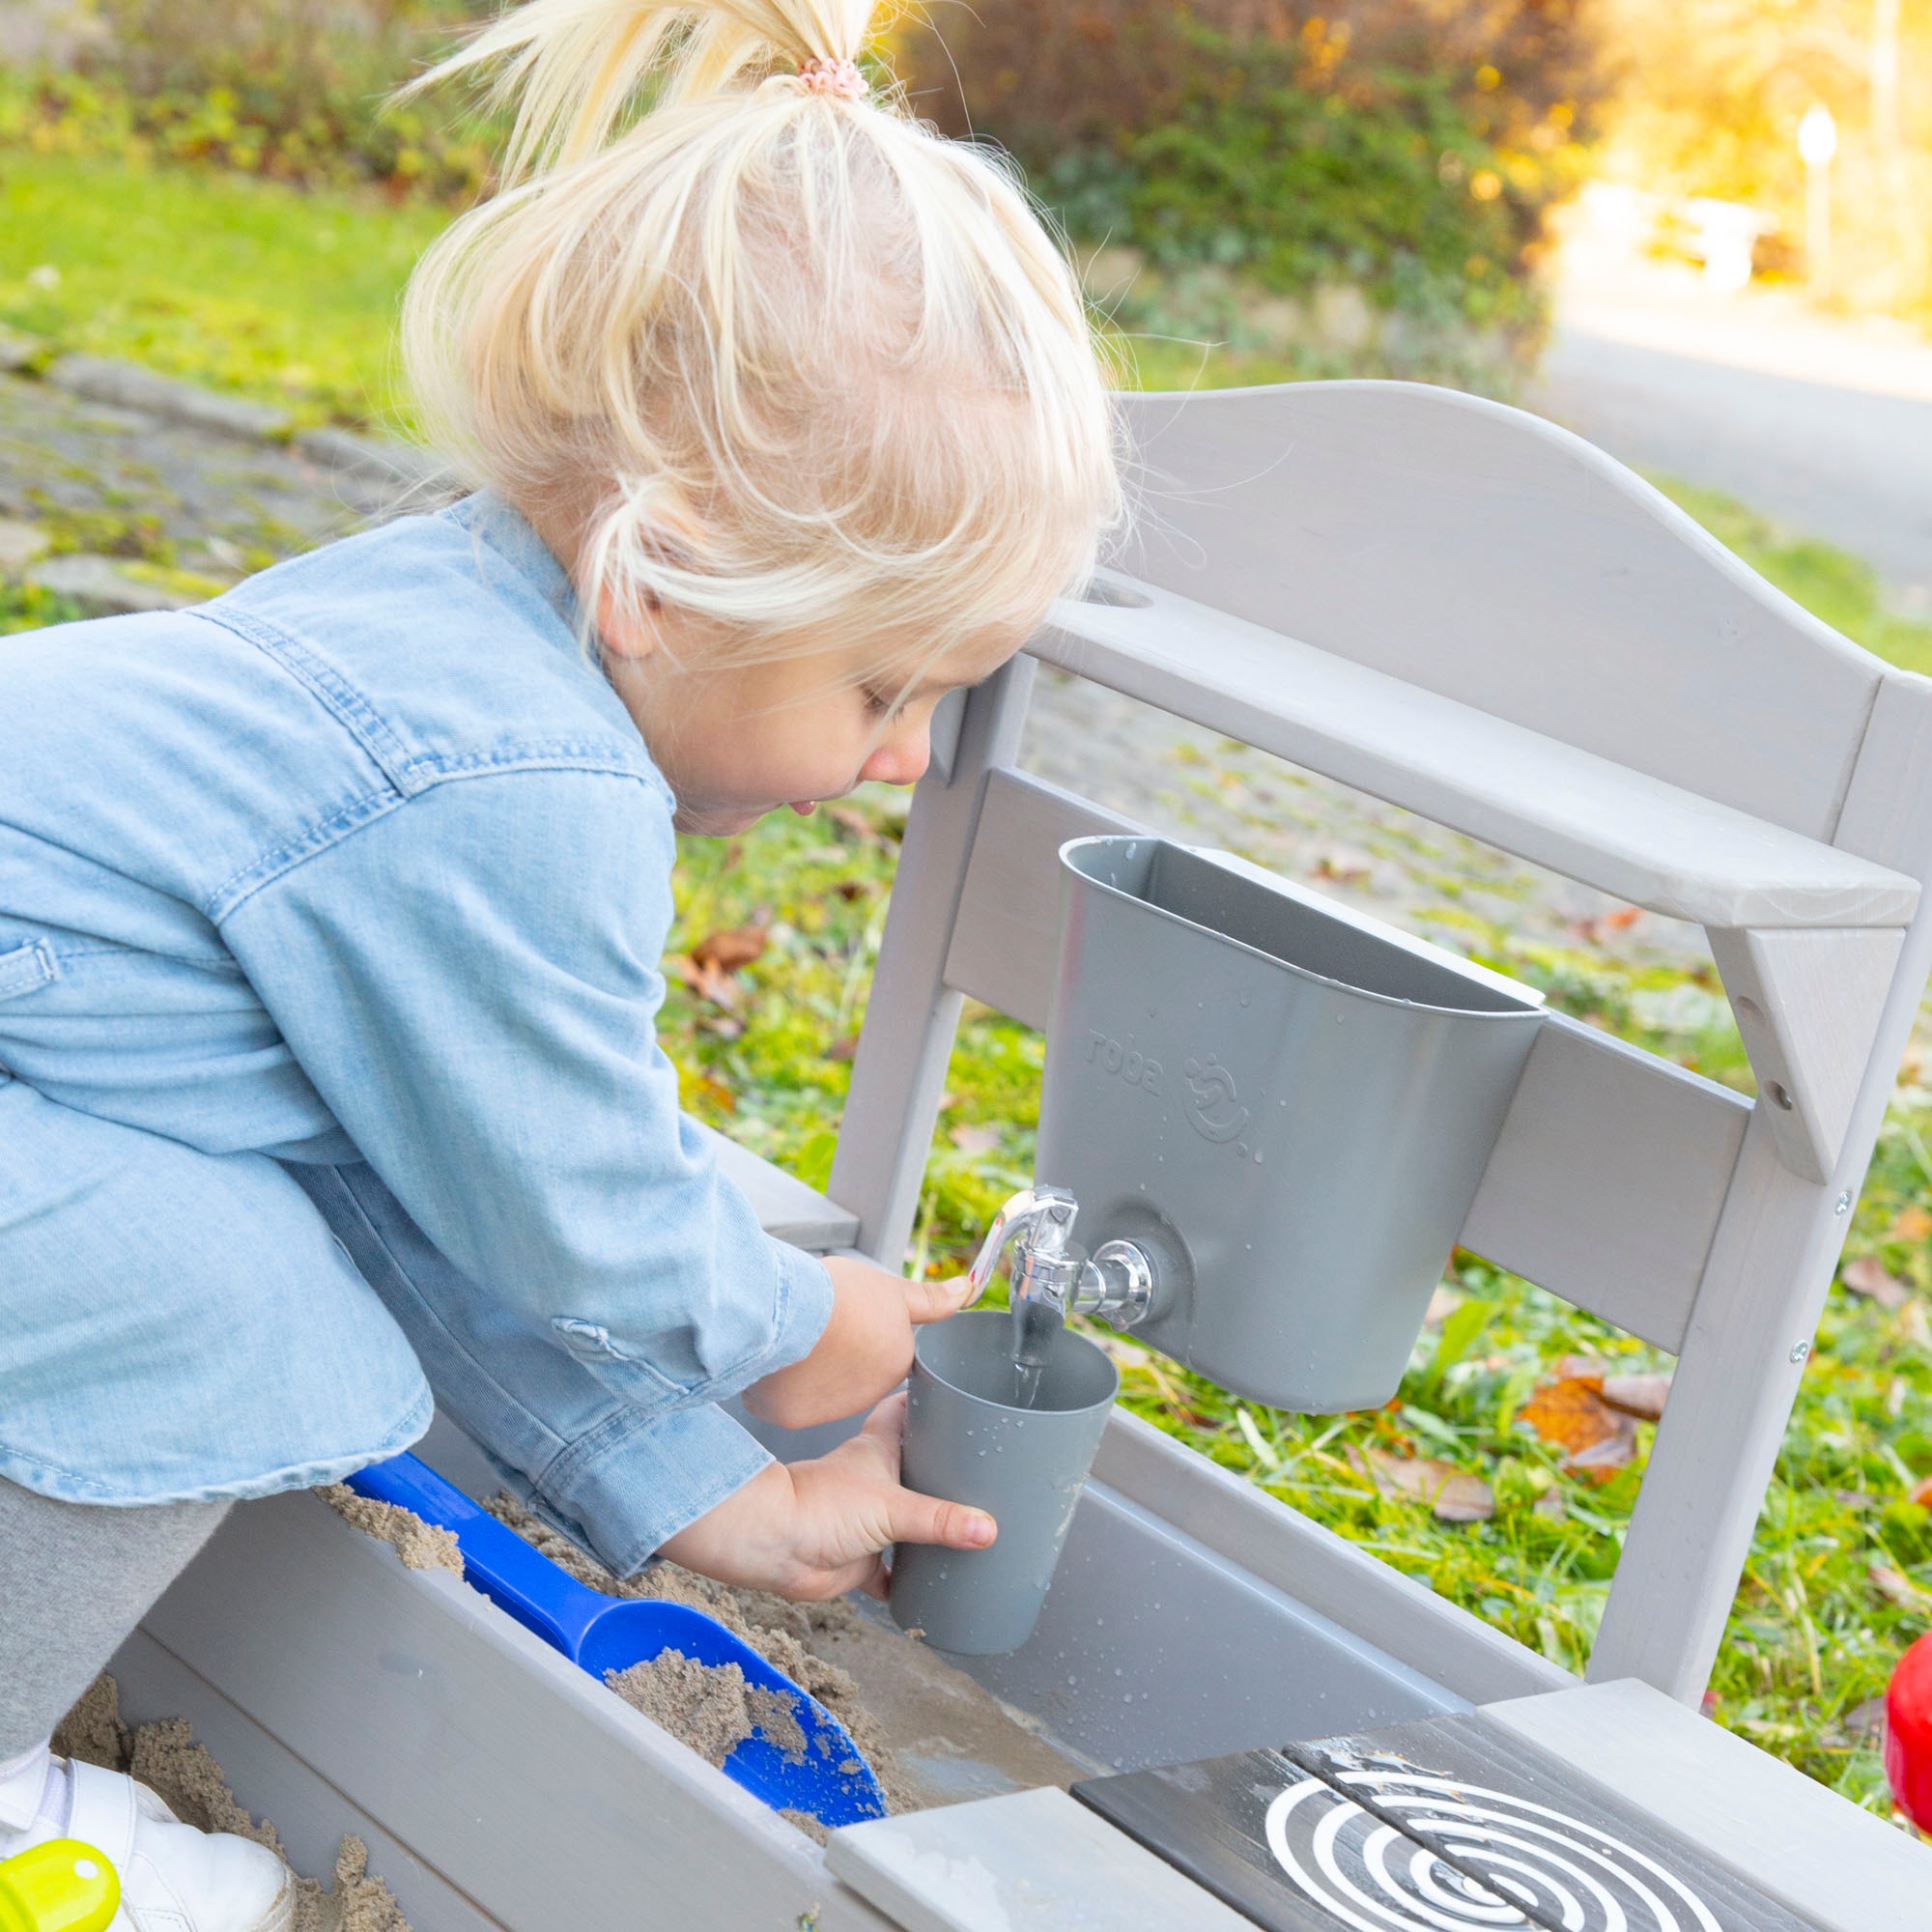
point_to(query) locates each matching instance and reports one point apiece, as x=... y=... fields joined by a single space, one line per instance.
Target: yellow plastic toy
x=62 y=1885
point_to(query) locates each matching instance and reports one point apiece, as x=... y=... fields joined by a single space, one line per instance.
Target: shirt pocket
x=27 y=968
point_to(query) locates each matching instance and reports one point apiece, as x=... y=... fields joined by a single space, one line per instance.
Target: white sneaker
x=173 y=1877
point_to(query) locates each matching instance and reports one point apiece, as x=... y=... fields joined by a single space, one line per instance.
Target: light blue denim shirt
x=364 y=867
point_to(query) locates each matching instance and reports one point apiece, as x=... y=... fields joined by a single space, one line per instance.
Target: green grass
x=287 y=296
x=1828 y=582
x=240 y=284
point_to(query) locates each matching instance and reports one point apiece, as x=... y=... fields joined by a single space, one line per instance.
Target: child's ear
x=626 y=627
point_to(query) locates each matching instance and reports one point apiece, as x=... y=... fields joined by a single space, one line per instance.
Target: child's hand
x=814 y=1530
x=866 y=1350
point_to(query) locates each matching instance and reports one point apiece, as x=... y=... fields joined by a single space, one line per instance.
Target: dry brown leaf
x=1453 y=1495
x=1570 y=1412
x=1623 y=919
x=726 y=951
x=1922 y=1490
x=974 y=1139
x=1601 y=1461
x=844 y=1047
x=705 y=980
x=1640 y=1396
x=1897 y=1589
x=1867 y=1276
x=1913 y=1224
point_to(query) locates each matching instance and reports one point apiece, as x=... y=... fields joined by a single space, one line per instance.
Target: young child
x=330 y=912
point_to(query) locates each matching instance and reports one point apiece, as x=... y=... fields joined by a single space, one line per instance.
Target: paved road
x=1826 y=428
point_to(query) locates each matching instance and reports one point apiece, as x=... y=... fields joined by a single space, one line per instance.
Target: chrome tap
x=1053 y=1279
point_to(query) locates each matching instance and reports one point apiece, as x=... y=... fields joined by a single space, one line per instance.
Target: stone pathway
x=103 y=479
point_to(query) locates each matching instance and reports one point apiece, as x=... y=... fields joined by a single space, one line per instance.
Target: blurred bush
x=1360 y=191
x=292 y=89
x=1381 y=169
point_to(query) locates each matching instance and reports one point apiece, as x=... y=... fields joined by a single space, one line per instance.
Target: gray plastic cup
x=967 y=1442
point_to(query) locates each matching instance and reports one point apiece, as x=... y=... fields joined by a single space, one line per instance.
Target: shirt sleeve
x=472 y=981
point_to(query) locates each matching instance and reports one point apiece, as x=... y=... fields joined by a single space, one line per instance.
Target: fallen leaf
x=1601 y=1460
x=1623 y=919
x=1852 y=1499
x=1571 y=1414
x=1897 y=1589
x=1442 y=1304
x=849 y=890
x=726 y=951
x=1550 y=1506
x=1867 y=1276
x=705 y=980
x=974 y=1140
x=1453 y=1495
x=1913 y=1328
x=844 y=1047
x=1913 y=1224
x=1640 y=1396
x=1922 y=1490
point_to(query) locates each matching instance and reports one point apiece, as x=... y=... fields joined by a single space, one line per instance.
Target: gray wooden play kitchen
x=1266 y=1121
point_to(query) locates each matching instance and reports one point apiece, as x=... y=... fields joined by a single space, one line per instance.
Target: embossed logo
x=1213 y=1103
x=1128 y=1063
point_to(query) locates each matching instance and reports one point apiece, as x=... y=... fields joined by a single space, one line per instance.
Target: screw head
x=1843 y=1203
x=1800 y=1351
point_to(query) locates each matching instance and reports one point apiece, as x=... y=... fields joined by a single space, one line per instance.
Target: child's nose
x=902 y=759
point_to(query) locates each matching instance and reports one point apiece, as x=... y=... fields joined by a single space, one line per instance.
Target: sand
x=422 y=1546
x=165 y=1757
x=930 y=1732
x=701 y=1705
x=779 y=1629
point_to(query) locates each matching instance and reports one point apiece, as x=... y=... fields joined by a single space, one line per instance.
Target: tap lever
x=1053 y=1279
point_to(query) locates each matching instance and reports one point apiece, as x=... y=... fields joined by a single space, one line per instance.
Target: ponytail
x=760 y=343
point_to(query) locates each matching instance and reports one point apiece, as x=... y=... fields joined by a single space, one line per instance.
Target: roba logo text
x=1125 y=1062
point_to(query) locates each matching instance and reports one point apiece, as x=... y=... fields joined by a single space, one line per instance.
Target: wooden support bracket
x=1808 y=1004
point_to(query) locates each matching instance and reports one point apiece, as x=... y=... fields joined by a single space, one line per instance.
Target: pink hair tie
x=841 y=78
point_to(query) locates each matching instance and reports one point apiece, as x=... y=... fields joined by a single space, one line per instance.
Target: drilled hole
x=1783 y=1099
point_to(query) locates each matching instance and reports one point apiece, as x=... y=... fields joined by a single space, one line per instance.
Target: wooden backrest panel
x=1497 y=559
x=1608 y=1179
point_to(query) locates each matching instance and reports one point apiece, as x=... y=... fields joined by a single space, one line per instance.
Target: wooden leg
x=899 y=1071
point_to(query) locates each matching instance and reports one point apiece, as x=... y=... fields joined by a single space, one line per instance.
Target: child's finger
x=917 y=1519
x=934 y=1301
x=887 y=1422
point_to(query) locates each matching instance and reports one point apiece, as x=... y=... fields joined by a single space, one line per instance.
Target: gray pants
x=74 y=1581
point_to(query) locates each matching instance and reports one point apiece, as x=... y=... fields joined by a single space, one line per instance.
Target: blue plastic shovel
x=602 y=1633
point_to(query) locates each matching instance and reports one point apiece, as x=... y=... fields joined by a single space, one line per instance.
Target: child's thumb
x=934 y=1301
x=917 y=1519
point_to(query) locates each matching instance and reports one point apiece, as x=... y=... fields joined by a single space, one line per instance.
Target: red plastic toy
x=1908 y=1733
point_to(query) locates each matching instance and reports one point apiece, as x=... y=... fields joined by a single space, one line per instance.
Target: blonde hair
x=781 y=356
